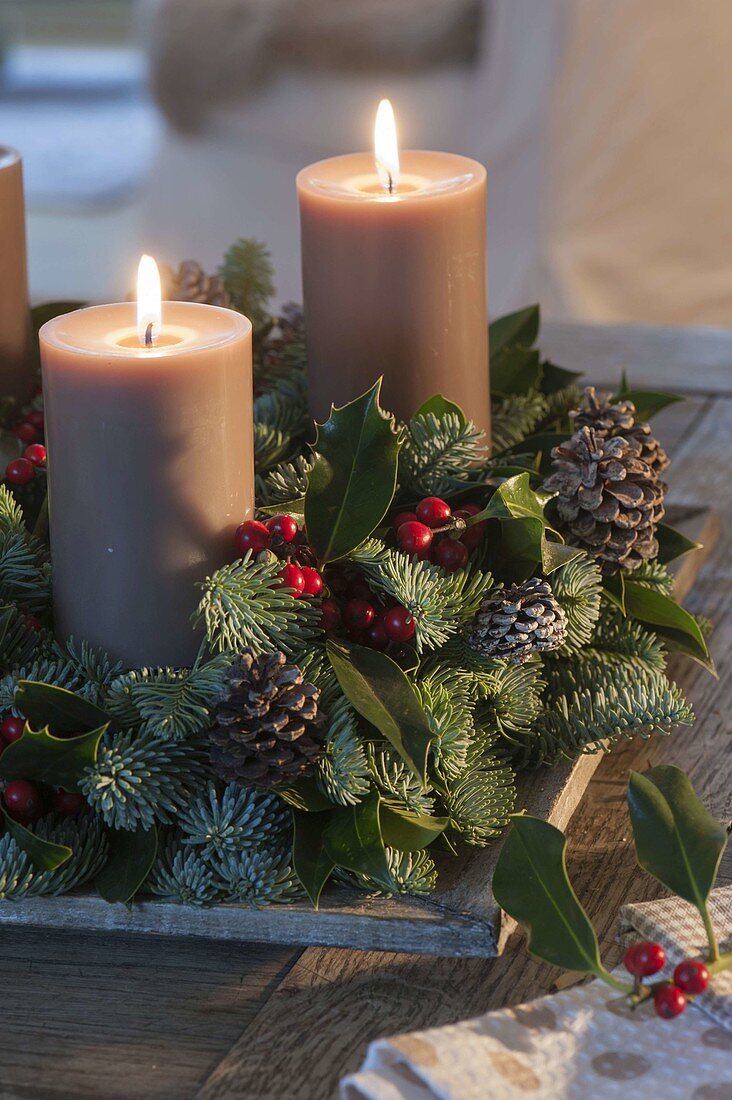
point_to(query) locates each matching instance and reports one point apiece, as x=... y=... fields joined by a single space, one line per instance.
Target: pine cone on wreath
x=610 y=419
x=518 y=620
x=609 y=498
x=190 y=283
x=267 y=727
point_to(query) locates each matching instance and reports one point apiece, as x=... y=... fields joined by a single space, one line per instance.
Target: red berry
x=26 y=433
x=358 y=589
x=331 y=615
x=67 y=803
x=471 y=536
x=313 y=581
x=376 y=636
x=644 y=958
x=36 y=454
x=251 y=535
x=12 y=728
x=33 y=623
x=399 y=624
x=414 y=538
x=23 y=800
x=452 y=555
x=20 y=471
x=37 y=419
x=292 y=577
x=669 y=1001
x=403 y=517
x=358 y=615
x=433 y=511
x=691 y=976
x=283 y=527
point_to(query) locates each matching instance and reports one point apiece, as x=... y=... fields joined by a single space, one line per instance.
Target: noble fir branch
x=138 y=779
x=248 y=277
x=166 y=702
x=449 y=708
x=343 y=773
x=243 y=605
x=410 y=872
x=16 y=871
x=96 y=669
x=617 y=637
x=509 y=699
x=181 y=875
x=258 y=878
x=19 y=642
x=514 y=417
x=232 y=821
x=286 y=482
x=588 y=670
x=559 y=403
x=25 y=571
x=396 y=782
x=586 y=719
x=481 y=801
x=11 y=514
x=441 y=602
x=316 y=668
x=60 y=673
x=86 y=837
x=652 y=574
x=439 y=454
x=577 y=587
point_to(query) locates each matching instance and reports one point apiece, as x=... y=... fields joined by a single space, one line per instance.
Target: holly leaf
x=669 y=620
x=439 y=406
x=310 y=861
x=352 y=483
x=672 y=544
x=63 y=711
x=556 y=554
x=353 y=840
x=647 y=402
x=554 y=378
x=407 y=831
x=515 y=369
x=531 y=883
x=56 y=761
x=676 y=838
x=613 y=589
x=521 y=327
x=382 y=694
x=131 y=856
x=516 y=499
x=45 y=855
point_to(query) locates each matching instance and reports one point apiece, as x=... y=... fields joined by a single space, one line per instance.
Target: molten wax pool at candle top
x=149 y=433
x=393 y=254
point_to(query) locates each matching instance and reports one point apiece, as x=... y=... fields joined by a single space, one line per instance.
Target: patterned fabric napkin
x=581 y=1044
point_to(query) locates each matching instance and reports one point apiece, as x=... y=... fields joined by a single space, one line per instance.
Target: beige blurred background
x=175 y=126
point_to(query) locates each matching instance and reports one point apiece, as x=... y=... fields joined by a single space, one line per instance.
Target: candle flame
x=386 y=147
x=149 y=296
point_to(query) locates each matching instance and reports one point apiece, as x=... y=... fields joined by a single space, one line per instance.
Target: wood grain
x=357 y=997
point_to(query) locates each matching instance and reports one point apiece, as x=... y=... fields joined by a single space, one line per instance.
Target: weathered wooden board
x=460 y=919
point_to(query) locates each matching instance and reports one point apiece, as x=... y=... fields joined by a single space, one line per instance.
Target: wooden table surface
x=95 y=1016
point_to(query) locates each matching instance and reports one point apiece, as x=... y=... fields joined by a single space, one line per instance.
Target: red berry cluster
x=24 y=801
x=670 y=998
x=282 y=536
x=21 y=471
x=367 y=619
x=434 y=532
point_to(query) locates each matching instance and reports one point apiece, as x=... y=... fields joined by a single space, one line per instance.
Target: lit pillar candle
x=394 y=282
x=16 y=361
x=149 y=433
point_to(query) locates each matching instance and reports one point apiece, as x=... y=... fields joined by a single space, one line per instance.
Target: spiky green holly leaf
x=57 y=761
x=61 y=710
x=45 y=855
x=353 y=480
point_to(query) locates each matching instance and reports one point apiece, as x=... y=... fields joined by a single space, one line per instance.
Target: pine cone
x=190 y=283
x=268 y=729
x=519 y=620
x=610 y=500
x=609 y=420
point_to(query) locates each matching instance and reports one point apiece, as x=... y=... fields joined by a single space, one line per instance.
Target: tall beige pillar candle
x=150 y=471
x=16 y=361
x=394 y=281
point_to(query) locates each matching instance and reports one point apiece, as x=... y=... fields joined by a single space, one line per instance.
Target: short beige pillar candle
x=150 y=469
x=394 y=277
x=16 y=360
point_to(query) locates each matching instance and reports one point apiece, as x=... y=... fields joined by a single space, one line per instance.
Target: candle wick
x=149 y=335
x=391 y=183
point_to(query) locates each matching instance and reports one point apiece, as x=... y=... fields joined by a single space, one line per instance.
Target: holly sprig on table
x=408 y=622
x=676 y=840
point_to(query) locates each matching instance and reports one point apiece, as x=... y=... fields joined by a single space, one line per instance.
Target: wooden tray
x=460 y=919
